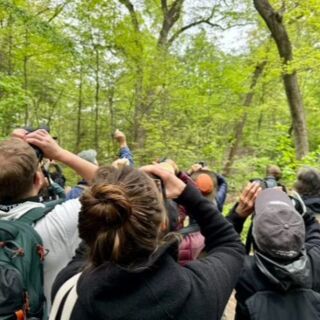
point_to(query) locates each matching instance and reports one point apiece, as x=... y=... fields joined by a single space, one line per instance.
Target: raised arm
x=51 y=150
x=215 y=275
x=124 y=152
x=221 y=192
x=245 y=207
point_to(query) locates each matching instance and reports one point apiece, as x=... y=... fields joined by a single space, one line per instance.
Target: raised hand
x=173 y=185
x=248 y=197
x=42 y=139
x=120 y=137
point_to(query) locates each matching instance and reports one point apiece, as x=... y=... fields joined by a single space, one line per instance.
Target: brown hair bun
x=108 y=205
x=121 y=217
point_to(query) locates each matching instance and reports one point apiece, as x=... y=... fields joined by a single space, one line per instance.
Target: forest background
x=193 y=80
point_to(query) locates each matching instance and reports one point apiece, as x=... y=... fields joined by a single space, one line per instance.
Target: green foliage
x=182 y=101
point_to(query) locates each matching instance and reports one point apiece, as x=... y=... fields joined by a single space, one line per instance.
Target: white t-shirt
x=59 y=233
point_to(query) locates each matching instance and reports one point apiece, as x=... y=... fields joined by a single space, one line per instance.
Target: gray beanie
x=89 y=155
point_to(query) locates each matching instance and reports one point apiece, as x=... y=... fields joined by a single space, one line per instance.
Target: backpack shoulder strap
x=34 y=215
x=51 y=204
x=69 y=289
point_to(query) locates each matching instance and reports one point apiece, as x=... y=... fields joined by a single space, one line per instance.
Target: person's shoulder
x=64 y=212
x=60 y=223
x=70 y=206
x=248 y=283
x=249 y=275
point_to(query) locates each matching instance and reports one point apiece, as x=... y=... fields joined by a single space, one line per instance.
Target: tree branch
x=133 y=14
x=170 y=17
x=58 y=10
x=273 y=19
x=39 y=13
x=191 y=25
x=53 y=107
x=164 y=7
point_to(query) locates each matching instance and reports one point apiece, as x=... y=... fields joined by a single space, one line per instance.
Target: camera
x=266 y=183
x=202 y=164
x=37 y=150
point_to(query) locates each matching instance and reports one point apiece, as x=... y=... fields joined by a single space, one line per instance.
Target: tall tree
x=97 y=97
x=80 y=106
x=139 y=105
x=239 y=128
x=275 y=23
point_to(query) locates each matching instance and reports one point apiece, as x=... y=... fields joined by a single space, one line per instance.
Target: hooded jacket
x=313 y=204
x=58 y=231
x=265 y=284
x=164 y=290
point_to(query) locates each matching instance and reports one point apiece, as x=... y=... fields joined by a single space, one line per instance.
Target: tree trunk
x=25 y=76
x=239 y=128
x=138 y=130
x=170 y=16
x=97 y=102
x=279 y=33
x=80 y=104
x=111 y=118
x=53 y=107
x=10 y=45
x=35 y=113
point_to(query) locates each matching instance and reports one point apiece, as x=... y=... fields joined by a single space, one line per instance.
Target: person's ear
x=39 y=180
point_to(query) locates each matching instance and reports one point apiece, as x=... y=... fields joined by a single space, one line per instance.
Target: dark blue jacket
x=221 y=192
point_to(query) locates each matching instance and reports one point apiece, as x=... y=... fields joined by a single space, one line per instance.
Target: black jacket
x=284 y=281
x=312 y=203
x=238 y=224
x=165 y=290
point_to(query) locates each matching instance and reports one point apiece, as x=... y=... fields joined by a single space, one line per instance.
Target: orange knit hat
x=204 y=183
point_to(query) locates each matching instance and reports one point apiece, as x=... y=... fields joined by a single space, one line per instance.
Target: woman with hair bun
x=126 y=267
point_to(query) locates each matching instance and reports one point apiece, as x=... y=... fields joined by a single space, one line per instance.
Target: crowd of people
x=150 y=242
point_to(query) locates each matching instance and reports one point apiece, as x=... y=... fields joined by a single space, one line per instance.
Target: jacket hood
x=313 y=204
x=112 y=292
x=16 y=211
x=286 y=275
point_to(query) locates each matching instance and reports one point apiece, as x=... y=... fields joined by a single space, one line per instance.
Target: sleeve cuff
x=190 y=196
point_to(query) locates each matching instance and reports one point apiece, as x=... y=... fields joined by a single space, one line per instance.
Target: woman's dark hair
x=308 y=182
x=121 y=217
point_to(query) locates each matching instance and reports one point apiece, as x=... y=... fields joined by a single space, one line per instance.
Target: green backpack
x=21 y=268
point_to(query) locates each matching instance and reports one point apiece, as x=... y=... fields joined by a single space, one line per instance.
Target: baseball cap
x=278 y=229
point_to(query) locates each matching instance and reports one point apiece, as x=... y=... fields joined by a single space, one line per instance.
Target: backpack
x=296 y=304
x=65 y=299
x=21 y=268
